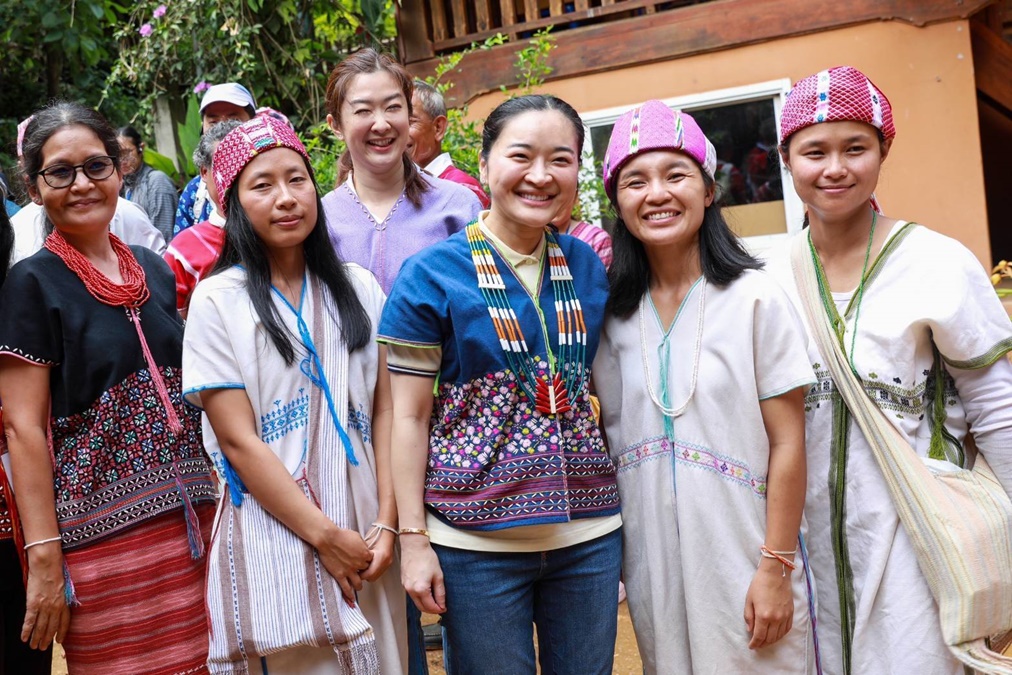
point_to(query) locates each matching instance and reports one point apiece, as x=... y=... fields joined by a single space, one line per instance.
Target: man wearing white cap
x=227 y=101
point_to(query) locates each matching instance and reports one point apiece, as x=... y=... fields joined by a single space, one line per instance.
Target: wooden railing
x=453 y=24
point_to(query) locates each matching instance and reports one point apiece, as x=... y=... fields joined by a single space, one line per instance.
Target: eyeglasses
x=61 y=176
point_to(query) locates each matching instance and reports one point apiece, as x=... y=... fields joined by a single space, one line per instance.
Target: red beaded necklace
x=131 y=294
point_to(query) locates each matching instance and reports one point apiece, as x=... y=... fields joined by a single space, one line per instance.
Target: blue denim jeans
x=493 y=601
x=417 y=662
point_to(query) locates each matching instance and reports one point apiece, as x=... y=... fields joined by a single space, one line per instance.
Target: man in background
x=428 y=127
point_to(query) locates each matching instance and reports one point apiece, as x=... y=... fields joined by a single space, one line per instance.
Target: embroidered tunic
x=495 y=462
x=876 y=612
x=115 y=461
x=694 y=488
x=227 y=347
x=383 y=247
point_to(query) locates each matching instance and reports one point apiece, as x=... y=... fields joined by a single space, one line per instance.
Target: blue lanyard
x=312 y=367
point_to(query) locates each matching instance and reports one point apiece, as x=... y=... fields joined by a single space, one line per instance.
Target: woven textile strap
x=960 y=521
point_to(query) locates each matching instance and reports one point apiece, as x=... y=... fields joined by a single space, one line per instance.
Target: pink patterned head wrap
x=242 y=144
x=838 y=94
x=655 y=126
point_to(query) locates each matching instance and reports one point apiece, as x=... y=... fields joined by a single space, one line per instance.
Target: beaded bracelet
x=779 y=555
x=415 y=530
x=43 y=541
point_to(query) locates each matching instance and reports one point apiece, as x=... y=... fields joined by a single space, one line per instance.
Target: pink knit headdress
x=655 y=126
x=242 y=144
x=836 y=95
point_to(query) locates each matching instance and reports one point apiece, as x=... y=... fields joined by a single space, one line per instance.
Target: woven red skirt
x=141 y=600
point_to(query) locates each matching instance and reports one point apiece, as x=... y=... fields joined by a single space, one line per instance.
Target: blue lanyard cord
x=313 y=369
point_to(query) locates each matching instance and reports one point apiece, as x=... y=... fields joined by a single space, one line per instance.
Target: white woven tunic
x=694 y=493
x=876 y=613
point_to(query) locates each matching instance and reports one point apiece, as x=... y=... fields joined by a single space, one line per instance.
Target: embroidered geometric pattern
x=728 y=468
x=124 y=432
x=733 y=470
x=494 y=459
x=138 y=497
x=887 y=395
x=118 y=459
x=357 y=419
x=284 y=419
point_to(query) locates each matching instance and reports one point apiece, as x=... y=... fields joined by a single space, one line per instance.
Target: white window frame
x=776 y=90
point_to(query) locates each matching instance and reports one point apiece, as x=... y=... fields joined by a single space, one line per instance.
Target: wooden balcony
x=597 y=35
x=453 y=24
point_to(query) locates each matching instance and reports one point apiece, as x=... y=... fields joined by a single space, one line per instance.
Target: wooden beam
x=481 y=16
x=459 y=19
x=555 y=7
x=438 y=21
x=992 y=65
x=581 y=5
x=700 y=28
x=412 y=35
x=509 y=12
x=530 y=10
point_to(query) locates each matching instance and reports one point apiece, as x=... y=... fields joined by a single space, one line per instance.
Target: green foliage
x=159 y=161
x=188 y=132
x=282 y=50
x=532 y=62
x=463 y=136
x=324 y=150
x=53 y=49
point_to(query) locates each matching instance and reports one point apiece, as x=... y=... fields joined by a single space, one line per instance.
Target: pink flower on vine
x=201 y=86
x=146 y=30
x=160 y=11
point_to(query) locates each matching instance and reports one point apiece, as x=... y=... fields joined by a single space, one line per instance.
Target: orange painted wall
x=934 y=174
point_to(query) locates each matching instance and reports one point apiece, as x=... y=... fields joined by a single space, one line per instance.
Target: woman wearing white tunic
x=926 y=334
x=280 y=353
x=702 y=372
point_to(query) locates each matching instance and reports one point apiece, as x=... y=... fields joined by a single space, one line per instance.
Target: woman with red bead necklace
x=110 y=479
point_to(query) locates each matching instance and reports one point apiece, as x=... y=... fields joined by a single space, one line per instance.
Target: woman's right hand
x=345 y=555
x=421 y=574
x=47 y=615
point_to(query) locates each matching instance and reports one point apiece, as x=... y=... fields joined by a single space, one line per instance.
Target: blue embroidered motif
x=357 y=419
x=284 y=419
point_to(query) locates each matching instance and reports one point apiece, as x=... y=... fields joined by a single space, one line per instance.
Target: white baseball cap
x=229 y=92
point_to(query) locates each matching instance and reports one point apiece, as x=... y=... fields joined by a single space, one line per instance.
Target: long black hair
x=6 y=244
x=722 y=258
x=244 y=247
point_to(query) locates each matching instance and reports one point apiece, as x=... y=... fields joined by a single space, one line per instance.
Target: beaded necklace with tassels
x=551 y=395
x=130 y=295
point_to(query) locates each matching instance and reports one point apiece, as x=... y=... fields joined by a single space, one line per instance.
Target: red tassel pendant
x=551 y=399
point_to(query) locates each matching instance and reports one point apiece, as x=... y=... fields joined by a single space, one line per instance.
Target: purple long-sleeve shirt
x=383 y=247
